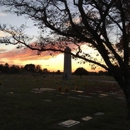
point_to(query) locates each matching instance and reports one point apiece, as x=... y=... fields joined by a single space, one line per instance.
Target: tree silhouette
x=14 y=69
x=45 y=71
x=58 y=72
x=38 y=69
x=98 y=24
x=81 y=71
x=29 y=67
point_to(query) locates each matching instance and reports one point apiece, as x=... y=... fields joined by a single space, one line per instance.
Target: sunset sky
x=9 y=54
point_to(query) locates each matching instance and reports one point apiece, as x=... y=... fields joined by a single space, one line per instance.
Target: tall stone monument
x=67 y=64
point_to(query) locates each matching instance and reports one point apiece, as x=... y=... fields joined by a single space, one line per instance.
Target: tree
x=29 y=67
x=45 y=71
x=98 y=24
x=38 y=69
x=58 y=72
x=81 y=71
x=121 y=41
x=14 y=69
x=6 y=68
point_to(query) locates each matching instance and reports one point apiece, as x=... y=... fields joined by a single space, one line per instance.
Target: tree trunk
x=127 y=95
x=128 y=105
x=125 y=86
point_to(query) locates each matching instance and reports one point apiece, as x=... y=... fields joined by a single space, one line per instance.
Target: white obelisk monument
x=67 y=64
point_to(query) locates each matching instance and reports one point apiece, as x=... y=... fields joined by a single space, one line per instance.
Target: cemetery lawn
x=25 y=105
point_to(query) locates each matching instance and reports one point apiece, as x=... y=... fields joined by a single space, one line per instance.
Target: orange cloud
x=2 y=50
x=24 y=54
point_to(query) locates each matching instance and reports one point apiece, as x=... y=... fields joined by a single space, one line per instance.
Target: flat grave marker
x=103 y=95
x=69 y=123
x=10 y=93
x=40 y=90
x=87 y=118
x=99 y=114
x=77 y=91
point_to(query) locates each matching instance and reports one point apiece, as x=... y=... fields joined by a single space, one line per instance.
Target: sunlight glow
x=9 y=54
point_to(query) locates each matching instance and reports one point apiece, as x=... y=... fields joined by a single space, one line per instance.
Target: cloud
x=23 y=55
x=3 y=50
x=2 y=14
x=2 y=34
x=16 y=56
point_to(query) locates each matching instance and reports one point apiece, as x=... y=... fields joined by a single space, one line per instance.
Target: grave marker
x=69 y=123
x=99 y=114
x=87 y=118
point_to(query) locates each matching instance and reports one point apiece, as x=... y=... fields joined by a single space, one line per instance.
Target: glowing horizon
x=26 y=56
x=9 y=54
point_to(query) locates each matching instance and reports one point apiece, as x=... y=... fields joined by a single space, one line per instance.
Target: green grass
x=25 y=110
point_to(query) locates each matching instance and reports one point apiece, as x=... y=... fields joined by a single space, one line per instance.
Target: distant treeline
x=15 y=69
x=31 y=68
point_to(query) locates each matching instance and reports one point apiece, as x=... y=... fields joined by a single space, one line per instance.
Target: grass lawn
x=22 y=108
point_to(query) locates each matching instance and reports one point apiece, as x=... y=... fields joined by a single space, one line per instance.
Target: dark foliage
x=81 y=71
